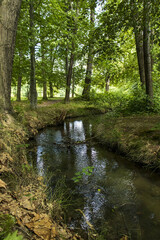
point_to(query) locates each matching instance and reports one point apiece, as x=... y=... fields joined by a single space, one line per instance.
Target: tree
x=33 y=91
x=9 y=12
x=87 y=85
x=146 y=49
x=72 y=25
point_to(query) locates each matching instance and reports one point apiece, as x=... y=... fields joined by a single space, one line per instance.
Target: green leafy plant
x=13 y=236
x=85 y=171
x=7 y=223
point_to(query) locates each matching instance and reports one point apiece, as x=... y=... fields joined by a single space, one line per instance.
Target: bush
x=134 y=102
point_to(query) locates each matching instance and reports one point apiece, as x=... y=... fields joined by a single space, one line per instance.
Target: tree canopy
x=85 y=47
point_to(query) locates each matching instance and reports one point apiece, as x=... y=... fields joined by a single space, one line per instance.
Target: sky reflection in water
x=118 y=198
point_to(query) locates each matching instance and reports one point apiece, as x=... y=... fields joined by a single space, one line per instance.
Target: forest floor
x=24 y=205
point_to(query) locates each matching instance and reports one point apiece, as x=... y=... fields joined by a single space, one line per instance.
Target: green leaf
x=13 y=236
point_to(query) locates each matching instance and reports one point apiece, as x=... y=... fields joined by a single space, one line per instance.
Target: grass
x=136 y=137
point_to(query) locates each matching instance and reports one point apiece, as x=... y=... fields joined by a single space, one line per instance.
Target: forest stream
x=96 y=187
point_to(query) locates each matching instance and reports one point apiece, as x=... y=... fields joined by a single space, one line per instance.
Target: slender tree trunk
x=51 y=89
x=69 y=75
x=147 y=52
x=66 y=63
x=33 y=91
x=73 y=85
x=19 y=84
x=9 y=12
x=43 y=67
x=45 y=90
x=19 y=87
x=69 y=66
x=107 y=83
x=140 y=55
x=138 y=32
x=87 y=85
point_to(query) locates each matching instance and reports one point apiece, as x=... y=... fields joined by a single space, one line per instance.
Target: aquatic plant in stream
x=85 y=171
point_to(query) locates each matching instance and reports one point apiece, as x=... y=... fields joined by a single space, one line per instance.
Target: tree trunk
x=33 y=91
x=73 y=85
x=138 y=32
x=51 y=89
x=19 y=84
x=69 y=75
x=140 y=55
x=9 y=12
x=45 y=91
x=147 y=52
x=19 y=87
x=107 y=83
x=87 y=85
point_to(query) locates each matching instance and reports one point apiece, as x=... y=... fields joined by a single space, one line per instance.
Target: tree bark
x=45 y=90
x=87 y=85
x=33 y=91
x=140 y=55
x=107 y=83
x=73 y=85
x=51 y=89
x=138 y=32
x=19 y=83
x=69 y=75
x=9 y=12
x=19 y=87
x=147 y=52
x=69 y=66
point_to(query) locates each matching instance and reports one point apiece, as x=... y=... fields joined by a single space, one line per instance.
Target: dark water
x=118 y=199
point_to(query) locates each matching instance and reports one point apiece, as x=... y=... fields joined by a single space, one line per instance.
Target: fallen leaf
x=3 y=184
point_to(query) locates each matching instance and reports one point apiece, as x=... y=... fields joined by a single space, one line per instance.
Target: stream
x=96 y=187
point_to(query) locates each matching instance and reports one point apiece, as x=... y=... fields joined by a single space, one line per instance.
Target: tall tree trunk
x=43 y=67
x=19 y=87
x=87 y=85
x=140 y=55
x=51 y=89
x=69 y=66
x=33 y=91
x=66 y=63
x=147 y=52
x=107 y=83
x=9 y=12
x=138 y=32
x=45 y=90
x=73 y=85
x=19 y=84
x=69 y=75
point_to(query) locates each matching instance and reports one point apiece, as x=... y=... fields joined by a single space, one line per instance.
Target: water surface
x=118 y=198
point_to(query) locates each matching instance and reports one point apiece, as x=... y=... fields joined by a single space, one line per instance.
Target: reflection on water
x=118 y=199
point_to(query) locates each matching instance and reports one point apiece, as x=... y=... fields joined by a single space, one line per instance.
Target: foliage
x=87 y=171
x=13 y=236
x=60 y=199
x=127 y=102
x=7 y=223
